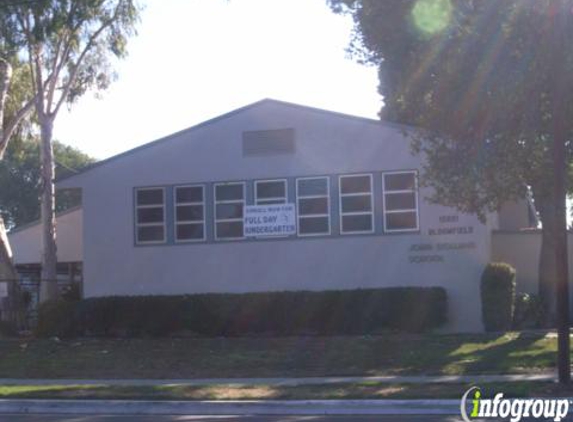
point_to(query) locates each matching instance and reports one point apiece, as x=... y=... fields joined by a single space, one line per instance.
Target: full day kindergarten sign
x=269 y=220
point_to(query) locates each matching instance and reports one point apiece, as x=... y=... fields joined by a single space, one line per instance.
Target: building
x=167 y=217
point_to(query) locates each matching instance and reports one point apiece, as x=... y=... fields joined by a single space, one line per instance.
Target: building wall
x=26 y=242
x=521 y=250
x=326 y=144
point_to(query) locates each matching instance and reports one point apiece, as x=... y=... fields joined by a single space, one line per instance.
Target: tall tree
x=68 y=46
x=20 y=179
x=16 y=102
x=489 y=85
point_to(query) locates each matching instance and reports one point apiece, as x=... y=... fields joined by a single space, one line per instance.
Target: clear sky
x=196 y=59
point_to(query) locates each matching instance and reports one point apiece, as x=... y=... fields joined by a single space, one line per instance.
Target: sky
x=196 y=59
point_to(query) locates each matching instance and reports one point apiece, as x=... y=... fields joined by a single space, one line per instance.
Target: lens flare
x=432 y=16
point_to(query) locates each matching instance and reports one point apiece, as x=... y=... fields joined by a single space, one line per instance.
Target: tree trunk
x=5 y=77
x=547 y=269
x=48 y=283
x=561 y=259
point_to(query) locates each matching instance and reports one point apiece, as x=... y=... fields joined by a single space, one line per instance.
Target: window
x=356 y=205
x=400 y=201
x=229 y=204
x=270 y=192
x=150 y=215
x=313 y=206
x=189 y=213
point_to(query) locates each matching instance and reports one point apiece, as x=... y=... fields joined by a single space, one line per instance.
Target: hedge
x=529 y=312
x=498 y=296
x=362 y=311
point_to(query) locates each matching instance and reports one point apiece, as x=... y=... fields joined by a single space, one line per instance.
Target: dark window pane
x=150 y=197
x=312 y=187
x=189 y=212
x=313 y=225
x=357 y=223
x=229 y=211
x=189 y=194
x=355 y=184
x=356 y=203
x=313 y=206
x=150 y=215
x=271 y=202
x=230 y=230
x=401 y=221
x=189 y=231
x=402 y=181
x=271 y=189
x=150 y=234
x=400 y=201
x=228 y=192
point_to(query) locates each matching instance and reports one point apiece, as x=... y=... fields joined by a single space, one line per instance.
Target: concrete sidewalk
x=254 y=407
x=422 y=379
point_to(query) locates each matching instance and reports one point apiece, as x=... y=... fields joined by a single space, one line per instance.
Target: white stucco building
x=167 y=217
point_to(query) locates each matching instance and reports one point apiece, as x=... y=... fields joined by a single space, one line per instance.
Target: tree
x=16 y=102
x=67 y=46
x=20 y=179
x=489 y=86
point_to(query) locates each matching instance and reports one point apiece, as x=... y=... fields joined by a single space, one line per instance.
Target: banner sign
x=269 y=220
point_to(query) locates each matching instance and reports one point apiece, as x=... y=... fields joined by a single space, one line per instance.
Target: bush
x=529 y=312
x=363 y=311
x=72 y=292
x=498 y=296
x=8 y=329
x=57 y=318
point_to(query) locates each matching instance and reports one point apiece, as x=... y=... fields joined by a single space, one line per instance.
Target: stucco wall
x=27 y=242
x=521 y=250
x=325 y=145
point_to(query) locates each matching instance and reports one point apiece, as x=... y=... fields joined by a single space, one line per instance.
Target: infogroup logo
x=514 y=409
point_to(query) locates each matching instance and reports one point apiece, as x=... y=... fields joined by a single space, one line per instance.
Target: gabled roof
x=229 y=114
x=38 y=221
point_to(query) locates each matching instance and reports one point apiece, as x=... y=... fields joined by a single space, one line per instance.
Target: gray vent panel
x=268 y=142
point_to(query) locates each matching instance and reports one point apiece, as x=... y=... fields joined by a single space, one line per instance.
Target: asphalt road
x=190 y=418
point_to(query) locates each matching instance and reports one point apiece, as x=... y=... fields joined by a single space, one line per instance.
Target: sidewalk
x=254 y=407
x=422 y=379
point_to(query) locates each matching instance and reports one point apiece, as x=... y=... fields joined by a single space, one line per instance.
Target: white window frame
x=282 y=198
x=177 y=223
x=414 y=191
x=327 y=215
x=138 y=224
x=346 y=195
x=231 y=201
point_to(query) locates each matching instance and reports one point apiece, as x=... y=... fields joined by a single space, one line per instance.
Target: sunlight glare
x=432 y=16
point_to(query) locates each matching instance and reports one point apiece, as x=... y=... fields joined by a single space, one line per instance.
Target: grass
x=265 y=392
x=390 y=354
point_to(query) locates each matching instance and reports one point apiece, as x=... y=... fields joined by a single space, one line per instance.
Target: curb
x=264 y=407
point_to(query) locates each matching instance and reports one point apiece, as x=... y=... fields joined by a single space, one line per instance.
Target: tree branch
x=78 y=63
x=13 y=124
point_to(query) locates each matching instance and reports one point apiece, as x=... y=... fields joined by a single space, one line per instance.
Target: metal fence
x=19 y=299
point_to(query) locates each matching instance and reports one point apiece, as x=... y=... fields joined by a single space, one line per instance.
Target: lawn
x=354 y=391
x=390 y=354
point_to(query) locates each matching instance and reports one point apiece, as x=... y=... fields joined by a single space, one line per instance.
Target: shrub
x=72 y=292
x=363 y=311
x=498 y=296
x=8 y=329
x=529 y=312
x=57 y=318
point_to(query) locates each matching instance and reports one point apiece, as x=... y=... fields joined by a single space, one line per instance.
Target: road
x=190 y=418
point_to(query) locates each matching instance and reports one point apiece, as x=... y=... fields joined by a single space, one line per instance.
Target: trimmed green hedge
x=362 y=311
x=498 y=296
